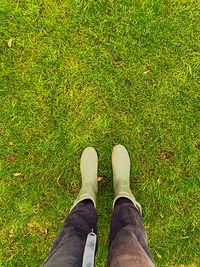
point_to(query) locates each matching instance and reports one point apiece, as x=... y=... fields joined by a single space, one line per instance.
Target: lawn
x=99 y=73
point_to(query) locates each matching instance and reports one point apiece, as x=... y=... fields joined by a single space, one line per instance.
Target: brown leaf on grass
x=17 y=174
x=38 y=205
x=10 y=42
x=45 y=231
x=159 y=256
x=58 y=180
x=11 y=158
x=11 y=233
x=146 y=71
x=10 y=143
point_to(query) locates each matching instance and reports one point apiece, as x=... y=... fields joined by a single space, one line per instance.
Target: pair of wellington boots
x=121 y=175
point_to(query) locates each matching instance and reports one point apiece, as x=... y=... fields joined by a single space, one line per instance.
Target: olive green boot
x=121 y=175
x=88 y=166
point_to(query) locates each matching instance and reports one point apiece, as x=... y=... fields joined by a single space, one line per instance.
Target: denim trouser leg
x=128 y=238
x=68 y=247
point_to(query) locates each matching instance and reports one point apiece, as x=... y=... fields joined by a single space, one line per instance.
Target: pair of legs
x=127 y=238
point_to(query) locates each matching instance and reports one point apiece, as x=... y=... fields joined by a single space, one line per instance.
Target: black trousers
x=127 y=238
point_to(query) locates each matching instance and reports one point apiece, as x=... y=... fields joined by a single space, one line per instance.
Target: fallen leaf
x=146 y=71
x=38 y=205
x=58 y=180
x=45 y=231
x=17 y=174
x=11 y=233
x=10 y=143
x=159 y=256
x=149 y=68
x=99 y=179
x=12 y=240
x=158 y=180
x=11 y=158
x=10 y=42
x=7 y=77
x=114 y=28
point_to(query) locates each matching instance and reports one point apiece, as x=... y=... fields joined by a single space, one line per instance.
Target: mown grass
x=75 y=76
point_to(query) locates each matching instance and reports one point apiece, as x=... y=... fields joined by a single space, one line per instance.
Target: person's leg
x=128 y=237
x=68 y=247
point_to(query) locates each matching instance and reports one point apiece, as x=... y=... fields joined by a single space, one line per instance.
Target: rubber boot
x=121 y=175
x=88 y=167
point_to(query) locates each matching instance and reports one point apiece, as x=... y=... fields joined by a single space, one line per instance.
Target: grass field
x=99 y=73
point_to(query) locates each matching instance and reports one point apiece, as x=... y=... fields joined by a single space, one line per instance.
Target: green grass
x=76 y=79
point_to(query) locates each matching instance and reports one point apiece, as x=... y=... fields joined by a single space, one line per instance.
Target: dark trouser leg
x=68 y=247
x=128 y=238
